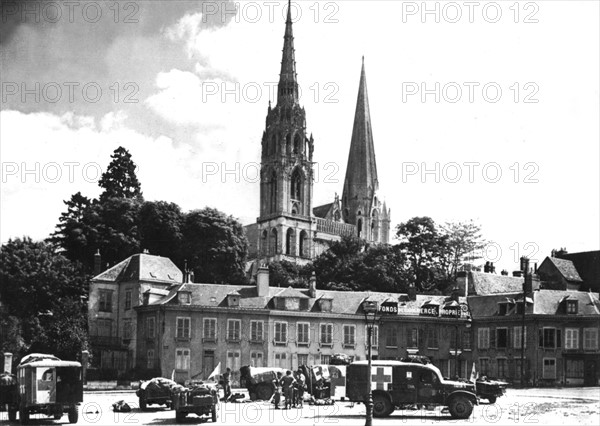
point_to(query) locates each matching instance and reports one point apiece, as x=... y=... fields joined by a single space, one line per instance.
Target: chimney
x=517 y=273
x=312 y=286
x=462 y=282
x=455 y=294
x=262 y=281
x=8 y=362
x=504 y=272
x=412 y=292
x=97 y=263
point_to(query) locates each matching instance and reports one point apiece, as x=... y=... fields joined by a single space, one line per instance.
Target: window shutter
x=421 y=337
x=558 y=338
x=493 y=338
x=541 y=338
x=509 y=338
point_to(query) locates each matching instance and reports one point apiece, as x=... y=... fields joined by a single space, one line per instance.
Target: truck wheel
x=213 y=414
x=460 y=407
x=12 y=414
x=143 y=404
x=492 y=399
x=73 y=414
x=264 y=392
x=382 y=407
x=24 y=416
x=179 y=416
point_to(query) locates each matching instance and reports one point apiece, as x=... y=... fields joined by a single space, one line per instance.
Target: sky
x=483 y=111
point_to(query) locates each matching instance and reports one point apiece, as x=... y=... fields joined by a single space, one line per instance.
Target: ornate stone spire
x=361 y=175
x=287 y=89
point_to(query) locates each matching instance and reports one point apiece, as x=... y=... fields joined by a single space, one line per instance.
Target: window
x=549 y=338
x=574 y=368
x=209 y=329
x=104 y=327
x=150 y=358
x=572 y=338
x=325 y=359
x=233 y=360
x=182 y=359
x=256 y=331
x=326 y=334
x=302 y=359
x=127 y=329
x=432 y=338
x=281 y=332
x=590 y=338
x=127 y=300
x=466 y=340
x=483 y=338
x=571 y=306
x=349 y=335
x=303 y=329
x=105 y=304
x=374 y=337
x=549 y=371
x=150 y=327
x=502 y=338
x=517 y=337
x=502 y=367
x=256 y=359
x=184 y=297
x=412 y=338
x=281 y=360
x=233 y=330
x=391 y=338
x=183 y=328
x=484 y=366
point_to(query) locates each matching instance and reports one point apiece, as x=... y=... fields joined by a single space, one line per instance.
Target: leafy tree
x=463 y=244
x=160 y=229
x=215 y=246
x=120 y=180
x=285 y=274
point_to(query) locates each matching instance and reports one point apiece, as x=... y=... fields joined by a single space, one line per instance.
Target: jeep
x=395 y=384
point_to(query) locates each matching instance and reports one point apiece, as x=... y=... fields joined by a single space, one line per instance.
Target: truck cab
x=395 y=384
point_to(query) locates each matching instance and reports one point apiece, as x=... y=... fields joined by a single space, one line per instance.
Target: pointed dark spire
x=288 y=86
x=361 y=175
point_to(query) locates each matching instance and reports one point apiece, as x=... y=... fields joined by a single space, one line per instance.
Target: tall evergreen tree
x=120 y=180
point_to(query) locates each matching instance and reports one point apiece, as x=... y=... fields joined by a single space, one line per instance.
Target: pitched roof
x=483 y=283
x=142 y=267
x=291 y=292
x=566 y=268
x=321 y=211
x=588 y=266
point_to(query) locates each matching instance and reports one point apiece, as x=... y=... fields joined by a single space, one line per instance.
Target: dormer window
x=571 y=307
x=233 y=300
x=184 y=297
x=325 y=305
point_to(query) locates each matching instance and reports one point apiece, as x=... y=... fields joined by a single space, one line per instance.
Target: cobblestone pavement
x=579 y=406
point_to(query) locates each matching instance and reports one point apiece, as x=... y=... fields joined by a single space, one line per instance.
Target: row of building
x=145 y=316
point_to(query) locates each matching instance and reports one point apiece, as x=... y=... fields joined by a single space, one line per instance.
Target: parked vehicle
x=200 y=400
x=490 y=389
x=396 y=383
x=49 y=386
x=155 y=391
x=9 y=395
x=259 y=381
x=326 y=381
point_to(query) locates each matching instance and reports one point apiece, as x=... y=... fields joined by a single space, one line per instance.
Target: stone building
x=289 y=226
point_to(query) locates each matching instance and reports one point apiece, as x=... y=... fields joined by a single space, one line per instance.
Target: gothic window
x=296 y=189
x=264 y=243
x=288 y=144
x=273 y=194
x=297 y=144
x=303 y=244
x=359 y=227
x=273 y=146
x=290 y=242
x=375 y=226
x=273 y=243
x=336 y=216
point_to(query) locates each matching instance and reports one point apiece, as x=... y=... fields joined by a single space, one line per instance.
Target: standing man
x=227 y=384
x=300 y=386
x=287 y=383
x=277 y=390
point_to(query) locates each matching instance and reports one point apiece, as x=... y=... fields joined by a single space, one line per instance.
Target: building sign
x=430 y=310
x=388 y=308
x=451 y=311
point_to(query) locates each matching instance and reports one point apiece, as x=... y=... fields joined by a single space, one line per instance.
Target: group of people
x=292 y=387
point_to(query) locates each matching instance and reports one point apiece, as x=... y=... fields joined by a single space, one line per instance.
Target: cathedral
x=289 y=227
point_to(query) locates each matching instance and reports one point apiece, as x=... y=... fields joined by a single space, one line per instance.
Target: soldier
x=287 y=383
x=300 y=387
x=227 y=384
x=277 y=390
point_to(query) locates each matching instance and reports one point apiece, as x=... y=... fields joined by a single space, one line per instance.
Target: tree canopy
x=120 y=180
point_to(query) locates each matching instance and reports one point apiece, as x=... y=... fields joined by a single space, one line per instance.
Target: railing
x=337 y=228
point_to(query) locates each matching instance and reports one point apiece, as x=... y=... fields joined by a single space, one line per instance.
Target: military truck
x=395 y=384
x=200 y=400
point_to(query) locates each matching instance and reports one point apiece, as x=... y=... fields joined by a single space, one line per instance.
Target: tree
x=285 y=274
x=215 y=246
x=559 y=253
x=160 y=229
x=44 y=297
x=120 y=180
x=463 y=244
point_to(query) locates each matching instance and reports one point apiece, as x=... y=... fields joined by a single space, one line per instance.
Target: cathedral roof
x=288 y=86
x=321 y=211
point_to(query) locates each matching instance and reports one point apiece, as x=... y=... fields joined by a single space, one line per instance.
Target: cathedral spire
x=288 y=86
x=361 y=175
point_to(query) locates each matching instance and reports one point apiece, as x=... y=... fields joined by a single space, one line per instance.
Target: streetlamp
x=369 y=308
x=525 y=269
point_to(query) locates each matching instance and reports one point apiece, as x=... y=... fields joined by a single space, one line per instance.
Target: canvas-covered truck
x=396 y=384
x=200 y=400
x=155 y=391
x=49 y=386
x=9 y=395
x=259 y=381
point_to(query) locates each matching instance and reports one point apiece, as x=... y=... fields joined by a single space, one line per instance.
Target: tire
x=143 y=405
x=57 y=416
x=460 y=407
x=12 y=415
x=179 y=416
x=73 y=414
x=382 y=407
x=24 y=416
x=492 y=399
x=264 y=392
x=213 y=414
